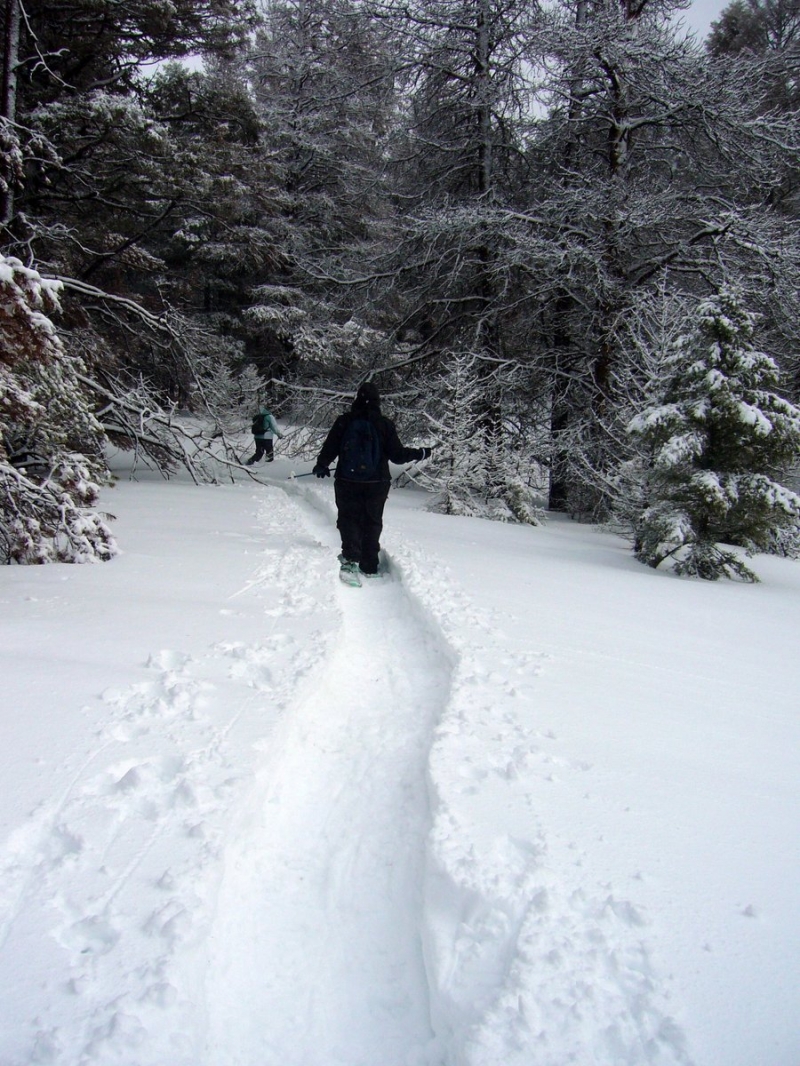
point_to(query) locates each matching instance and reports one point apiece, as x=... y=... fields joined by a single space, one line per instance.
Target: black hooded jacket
x=367 y=405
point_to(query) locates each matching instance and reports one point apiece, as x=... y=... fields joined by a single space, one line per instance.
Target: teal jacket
x=270 y=426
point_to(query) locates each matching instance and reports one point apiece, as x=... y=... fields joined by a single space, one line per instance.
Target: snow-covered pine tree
x=720 y=444
x=322 y=77
x=634 y=186
x=457 y=473
x=756 y=27
x=512 y=497
x=50 y=443
x=469 y=472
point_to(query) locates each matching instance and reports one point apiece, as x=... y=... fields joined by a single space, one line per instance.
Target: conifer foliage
x=473 y=471
x=50 y=442
x=717 y=447
x=458 y=474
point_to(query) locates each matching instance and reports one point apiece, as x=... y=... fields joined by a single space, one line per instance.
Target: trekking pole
x=293 y=477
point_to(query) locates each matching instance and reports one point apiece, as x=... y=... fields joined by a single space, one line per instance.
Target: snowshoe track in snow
x=320 y=911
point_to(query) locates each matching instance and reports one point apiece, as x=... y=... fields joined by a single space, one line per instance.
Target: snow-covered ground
x=522 y=801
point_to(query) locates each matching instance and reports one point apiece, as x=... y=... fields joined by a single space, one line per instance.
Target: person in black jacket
x=361 y=494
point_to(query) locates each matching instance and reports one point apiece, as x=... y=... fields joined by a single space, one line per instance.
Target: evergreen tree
x=755 y=26
x=457 y=473
x=51 y=460
x=719 y=445
x=473 y=472
x=144 y=195
x=458 y=162
x=655 y=165
x=322 y=90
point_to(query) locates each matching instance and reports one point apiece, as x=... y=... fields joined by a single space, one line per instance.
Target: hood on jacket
x=368 y=399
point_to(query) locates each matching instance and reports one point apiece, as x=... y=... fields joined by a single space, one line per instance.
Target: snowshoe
x=349 y=573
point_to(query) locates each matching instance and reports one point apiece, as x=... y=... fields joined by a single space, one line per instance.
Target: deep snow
x=520 y=801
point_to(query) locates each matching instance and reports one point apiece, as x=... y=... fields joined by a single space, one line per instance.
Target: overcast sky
x=702 y=13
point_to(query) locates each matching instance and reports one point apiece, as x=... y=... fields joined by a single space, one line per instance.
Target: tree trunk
x=8 y=99
x=560 y=411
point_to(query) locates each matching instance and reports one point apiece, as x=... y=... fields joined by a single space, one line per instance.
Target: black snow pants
x=360 y=520
x=263 y=447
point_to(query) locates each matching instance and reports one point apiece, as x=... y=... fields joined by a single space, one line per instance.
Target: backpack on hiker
x=360 y=452
x=259 y=424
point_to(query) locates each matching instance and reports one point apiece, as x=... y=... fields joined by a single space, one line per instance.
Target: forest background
x=529 y=223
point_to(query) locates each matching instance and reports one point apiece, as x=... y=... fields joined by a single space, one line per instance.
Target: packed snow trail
x=320 y=909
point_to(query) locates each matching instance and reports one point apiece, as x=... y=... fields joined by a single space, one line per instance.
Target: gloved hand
x=427 y=452
x=321 y=471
